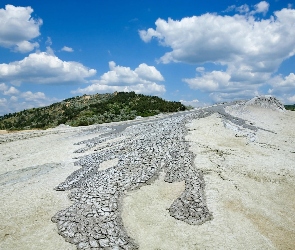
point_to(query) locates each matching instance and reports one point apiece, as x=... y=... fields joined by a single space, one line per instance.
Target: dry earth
x=249 y=177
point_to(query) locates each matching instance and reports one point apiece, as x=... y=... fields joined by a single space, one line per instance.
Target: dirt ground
x=250 y=188
x=30 y=169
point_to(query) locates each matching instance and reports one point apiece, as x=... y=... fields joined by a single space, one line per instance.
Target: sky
x=196 y=52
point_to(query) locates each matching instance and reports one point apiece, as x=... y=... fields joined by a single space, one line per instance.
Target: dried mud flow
x=145 y=150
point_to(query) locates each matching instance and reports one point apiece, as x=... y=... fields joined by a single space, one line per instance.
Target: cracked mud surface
x=146 y=149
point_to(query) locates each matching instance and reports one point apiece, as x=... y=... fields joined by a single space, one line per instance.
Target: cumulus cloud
x=3 y=103
x=30 y=96
x=147 y=35
x=220 y=86
x=119 y=78
x=25 y=46
x=148 y=72
x=48 y=44
x=287 y=82
x=193 y=103
x=261 y=7
x=3 y=87
x=291 y=99
x=209 y=81
x=49 y=51
x=44 y=68
x=241 y=9
x=283 y=87
x=227 y=39
x=48 y=41
x=11 y=91
x=239 y=94
x=21 y=100
x=13 y=99
x=18 y=28
x=250 y=49
x=200 y=69
x=67 y=49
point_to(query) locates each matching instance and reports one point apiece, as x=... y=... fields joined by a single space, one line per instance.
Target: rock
x=93 y=243
x=104 y=242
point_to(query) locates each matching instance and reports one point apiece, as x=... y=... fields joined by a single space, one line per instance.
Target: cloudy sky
x=199 y=52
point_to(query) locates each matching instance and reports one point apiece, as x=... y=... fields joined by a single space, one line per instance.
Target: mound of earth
x=266 y=101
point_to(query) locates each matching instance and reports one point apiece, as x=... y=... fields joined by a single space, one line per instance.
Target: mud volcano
x=218 y=177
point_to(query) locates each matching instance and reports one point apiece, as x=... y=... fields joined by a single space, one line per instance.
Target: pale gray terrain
x=220 y=177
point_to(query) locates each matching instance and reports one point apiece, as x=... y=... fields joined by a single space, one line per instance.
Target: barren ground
x=250 y=188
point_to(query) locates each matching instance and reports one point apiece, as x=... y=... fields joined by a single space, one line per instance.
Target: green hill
x=89 y=109
x=290 y=107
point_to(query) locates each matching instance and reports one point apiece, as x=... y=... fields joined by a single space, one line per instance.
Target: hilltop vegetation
x=89 y=109
x=290 y=107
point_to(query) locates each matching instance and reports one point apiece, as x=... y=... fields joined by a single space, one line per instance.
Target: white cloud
x=239 y=94
x=193 y=103
x=209 y=81
x=152 y=88
x=284 y=87
x=227 y=39
x=43 y=68
x=148 y=72
x=25 y=46
x=67 y=49
x=3 y=87
x=200 y=69
x=291 y=99
x=50 y=51
x=119 y=78
x=261 y=7
x=284 y=82
x=3 y=103
x=29 y=96
x=18 y=28
x=230 y=8
x=22 y=100
x=250 y=49
x=48 y=44
x=146 y=36
x=241 y=9
x=48 y=41
x=11 y=91
x=221 y=87
x=13 y=99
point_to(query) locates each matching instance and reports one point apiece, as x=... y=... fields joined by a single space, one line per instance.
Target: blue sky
x=197 y=52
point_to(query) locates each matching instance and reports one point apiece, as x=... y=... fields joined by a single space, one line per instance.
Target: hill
x=290 y=107
x=89 y=109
